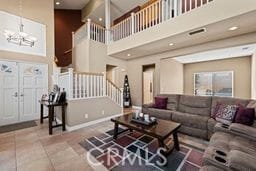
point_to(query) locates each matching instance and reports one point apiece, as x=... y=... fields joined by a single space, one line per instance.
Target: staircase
x=82 y=85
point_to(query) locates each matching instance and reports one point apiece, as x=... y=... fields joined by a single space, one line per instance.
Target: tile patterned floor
x=33 y=149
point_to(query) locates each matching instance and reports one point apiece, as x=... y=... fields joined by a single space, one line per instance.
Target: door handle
x=22 y=95
x=15 y=94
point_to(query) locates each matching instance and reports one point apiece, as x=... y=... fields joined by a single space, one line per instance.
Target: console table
x=51 y=106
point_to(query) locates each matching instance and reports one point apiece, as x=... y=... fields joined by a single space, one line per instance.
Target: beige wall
x=95 y=108
x=80 y=56
x=240 y=66
x=135 y=70
x=135 y=65
x=171 y=77
x=91 y=56
x=39 y=11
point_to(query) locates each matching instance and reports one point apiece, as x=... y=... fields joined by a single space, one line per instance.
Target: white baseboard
x=137 y=107
x=76 y=127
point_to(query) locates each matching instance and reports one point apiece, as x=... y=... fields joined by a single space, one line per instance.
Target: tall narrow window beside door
x=214 y=84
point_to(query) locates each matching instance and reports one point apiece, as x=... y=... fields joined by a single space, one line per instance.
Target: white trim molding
x=76 y=127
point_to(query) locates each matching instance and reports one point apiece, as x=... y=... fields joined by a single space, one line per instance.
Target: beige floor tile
x=55 y=148
x=7 y=160
x=43 y=164
x=74 y=164
x=30 y=152
x=7 y=146
x=63 y=156
x=25 y=138
x=7 y=138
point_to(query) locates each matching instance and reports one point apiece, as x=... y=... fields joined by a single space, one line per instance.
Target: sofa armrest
x=146 y=106
x=237 y=129
x=150 y=105
x=219 y=127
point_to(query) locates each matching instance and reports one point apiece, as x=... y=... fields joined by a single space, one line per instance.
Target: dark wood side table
x=50 y=106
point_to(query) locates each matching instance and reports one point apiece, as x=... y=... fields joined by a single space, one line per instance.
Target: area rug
x=17 y=126
x=133 y=151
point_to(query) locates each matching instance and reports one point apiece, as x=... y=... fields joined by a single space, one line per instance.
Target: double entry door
x=21 y=87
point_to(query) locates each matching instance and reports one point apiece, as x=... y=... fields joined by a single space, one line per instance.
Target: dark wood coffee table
x=161 y=130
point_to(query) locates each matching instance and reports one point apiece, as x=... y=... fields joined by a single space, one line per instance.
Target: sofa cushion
x=195 y=132
x=159 y=113
x=173 y=100
x=195 y=105
x=243 y=144
x=241 y=161
x=190 y=120
x=210 y=127
x=227 y=101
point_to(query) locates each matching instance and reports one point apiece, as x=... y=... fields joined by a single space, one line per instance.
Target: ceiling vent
x=201 y=30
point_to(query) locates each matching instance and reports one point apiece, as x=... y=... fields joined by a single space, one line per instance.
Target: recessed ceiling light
x=171 y=44
x=57 y=3
x=233 y=28
x=128 y=54
x=100 y=19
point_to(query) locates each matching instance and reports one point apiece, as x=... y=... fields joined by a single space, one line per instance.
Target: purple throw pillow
x=161 y=102
x=245 y=116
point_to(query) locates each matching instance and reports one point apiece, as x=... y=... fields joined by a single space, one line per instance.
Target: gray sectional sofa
x=231 y=148
x=193 y=112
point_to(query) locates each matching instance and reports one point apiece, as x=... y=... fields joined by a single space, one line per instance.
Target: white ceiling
x=70 y=4
x=216 y=31
x=225 y=53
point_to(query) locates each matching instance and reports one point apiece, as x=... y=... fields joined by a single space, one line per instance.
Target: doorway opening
x=111 y=73
x=148 y=83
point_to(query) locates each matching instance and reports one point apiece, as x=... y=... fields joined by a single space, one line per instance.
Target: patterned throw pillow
x=226 y=113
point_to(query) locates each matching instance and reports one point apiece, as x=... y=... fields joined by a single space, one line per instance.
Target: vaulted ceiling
x=70 y=4
x=118 y=8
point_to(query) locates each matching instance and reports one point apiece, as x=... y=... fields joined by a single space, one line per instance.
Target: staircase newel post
x=104 y=84
x=133 y=22
x=57 y=75
x=88 y=29
x=70 y=86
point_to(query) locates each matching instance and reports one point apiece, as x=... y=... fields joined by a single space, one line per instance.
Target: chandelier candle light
x=21 y=38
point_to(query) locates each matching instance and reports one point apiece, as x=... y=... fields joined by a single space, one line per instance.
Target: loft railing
x=91 y=31
x=82 y=85
x=147 y=17
x=152 y=15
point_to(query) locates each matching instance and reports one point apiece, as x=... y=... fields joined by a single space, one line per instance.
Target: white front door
x=33 y=83
x=9 y=96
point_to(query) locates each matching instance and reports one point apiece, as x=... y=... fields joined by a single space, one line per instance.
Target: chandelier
x=20 y=38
